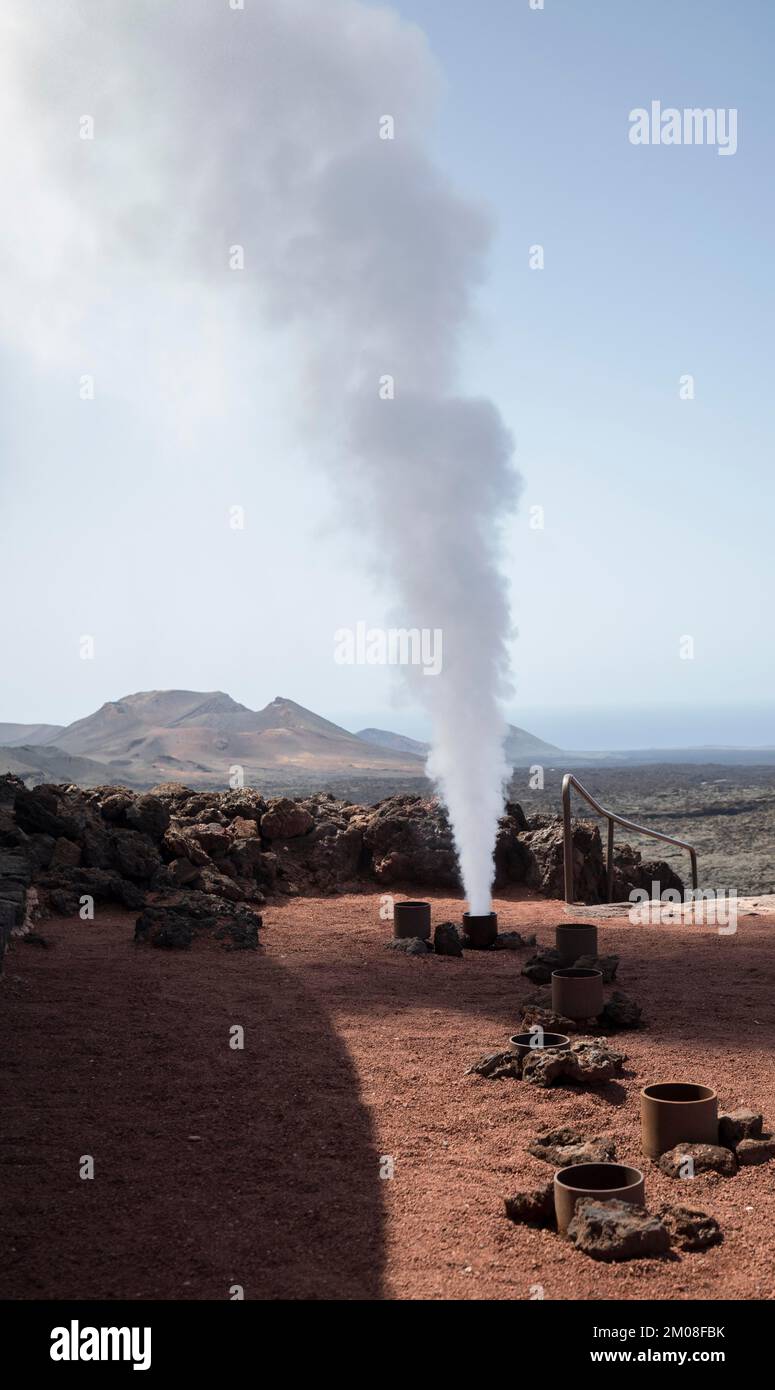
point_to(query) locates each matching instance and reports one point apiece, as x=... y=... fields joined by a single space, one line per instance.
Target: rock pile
x=115 y=845
x=620 y=1014
x=588 y=1061
x=612 y=1230
x=742 y=1142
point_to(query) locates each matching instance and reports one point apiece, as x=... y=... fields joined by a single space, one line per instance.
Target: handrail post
x=613 y=818
x=567 y=839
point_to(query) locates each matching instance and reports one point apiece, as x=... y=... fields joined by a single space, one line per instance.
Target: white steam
x=261 y=127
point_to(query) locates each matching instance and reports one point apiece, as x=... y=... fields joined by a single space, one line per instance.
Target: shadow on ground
x=213 y=1167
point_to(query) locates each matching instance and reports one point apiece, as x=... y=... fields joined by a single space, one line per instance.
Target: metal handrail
x=569 y=781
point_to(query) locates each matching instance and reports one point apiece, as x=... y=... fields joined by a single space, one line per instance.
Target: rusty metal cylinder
x=597 y=1180
x=574 y=939
x=412 y=919
x=577 y=993
x=677 y=1112
x=480 y=932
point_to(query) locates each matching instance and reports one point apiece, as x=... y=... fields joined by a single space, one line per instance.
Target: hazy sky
x=657 y=511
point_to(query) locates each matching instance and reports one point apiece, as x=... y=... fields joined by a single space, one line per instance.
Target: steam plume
x=261 y=127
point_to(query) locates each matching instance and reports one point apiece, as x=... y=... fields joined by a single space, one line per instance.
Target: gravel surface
x=260 y=1167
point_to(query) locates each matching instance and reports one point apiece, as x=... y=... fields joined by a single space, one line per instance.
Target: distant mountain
x=399 y=742
x=36 y=764
x=520 y=746
x=28 y=734
x=197 y=737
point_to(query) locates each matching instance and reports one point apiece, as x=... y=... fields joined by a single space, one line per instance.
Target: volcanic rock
x=689 y=1229
x=410 y=840
x=596 y=1060
x=621 y=1013
x=210 y=881
x=513 y=941
x=175 y=921
x=737 y=1125
x=632 y=872
x=512 y=856
x=149 y=815
x=544 y=1068
x=546 y=871
x=532 y=1014
x=212 y=837
x=114 y=807
x=247 y=804
x=750 y=1151
x=538 y=969
x=40 y=810
x=179 y=872
x=497 y=1065
x=134 y=855
x=705 y=1158
x=409 y=945
x=285 y=820
x=607 y=965
x=446 y=940
x=243 y=829
x=613 y=1230
x=564 y=1146
x=239 y=936
x=534 y=1208
x=66 y=854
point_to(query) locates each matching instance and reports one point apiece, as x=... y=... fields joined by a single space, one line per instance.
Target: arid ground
x=260 y=1167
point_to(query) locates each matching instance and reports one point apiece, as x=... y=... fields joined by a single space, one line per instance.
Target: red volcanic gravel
x=261 y=1167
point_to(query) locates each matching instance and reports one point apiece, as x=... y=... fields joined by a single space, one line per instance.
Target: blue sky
x=658 y=511
x=657 y=263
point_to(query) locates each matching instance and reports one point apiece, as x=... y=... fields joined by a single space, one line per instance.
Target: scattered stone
x=621 y=1013
x=409 y=945
x=590 y=1061
x=535 y=1208
x=613 y=1230
x=705 y=1158
x=607 y=965
x=564 y=1146
x=497 y=1065
x=739 y=1124
x=538 y=969
x=544 y=1068
x=550 y=1022
x=597 y=1061
x=689 y=1229
x=513 y=941
x=447 y=940
x=750 y=1151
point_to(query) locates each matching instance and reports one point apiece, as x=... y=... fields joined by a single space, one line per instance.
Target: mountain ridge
x=199 y=737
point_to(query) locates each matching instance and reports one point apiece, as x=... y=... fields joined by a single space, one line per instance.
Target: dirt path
x=261 y=1167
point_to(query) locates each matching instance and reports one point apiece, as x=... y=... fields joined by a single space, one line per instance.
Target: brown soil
x=261 y=1167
